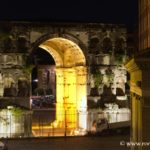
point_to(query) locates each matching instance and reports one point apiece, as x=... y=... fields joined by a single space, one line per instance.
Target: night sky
x=102 y=11
x=43 y=57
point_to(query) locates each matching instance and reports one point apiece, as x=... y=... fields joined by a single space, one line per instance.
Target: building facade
x=139 y=70
x=144 y=23
x=88 y=58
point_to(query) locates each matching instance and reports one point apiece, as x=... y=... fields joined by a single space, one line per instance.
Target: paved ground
x=70 y=143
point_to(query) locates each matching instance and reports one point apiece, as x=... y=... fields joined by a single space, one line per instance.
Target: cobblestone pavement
x=70 y=143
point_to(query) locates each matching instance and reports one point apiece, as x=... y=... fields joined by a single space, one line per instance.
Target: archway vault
x=65 y=52
x=71 y=75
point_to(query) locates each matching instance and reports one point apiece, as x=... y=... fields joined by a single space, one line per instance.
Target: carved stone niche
x=107 y=45
x=8 y=44
x=23 y=88
x=22 y=44
x=10 y=91
x=94 y=45
x=120 y=46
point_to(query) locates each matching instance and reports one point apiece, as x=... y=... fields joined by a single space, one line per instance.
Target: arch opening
x=43 y=80
x=71 y=76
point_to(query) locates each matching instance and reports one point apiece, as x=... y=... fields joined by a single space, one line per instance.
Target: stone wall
x=104 y=46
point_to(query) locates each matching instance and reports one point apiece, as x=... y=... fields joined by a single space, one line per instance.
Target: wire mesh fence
x=15 y=125
x=45 y=123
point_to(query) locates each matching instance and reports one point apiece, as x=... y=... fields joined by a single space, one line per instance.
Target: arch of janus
x=71 y=74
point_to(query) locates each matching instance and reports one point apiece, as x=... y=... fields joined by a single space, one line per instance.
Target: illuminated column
x=70 y=97
x=139 y=70
x=59 y=95
x=66 y=97
x=81 y=98
x=134 y=119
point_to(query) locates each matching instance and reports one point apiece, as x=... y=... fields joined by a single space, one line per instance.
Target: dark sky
x=103 y=11
x=42 y=57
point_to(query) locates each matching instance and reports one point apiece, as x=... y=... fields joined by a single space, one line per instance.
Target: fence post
x=65 y=123
x=10 y=125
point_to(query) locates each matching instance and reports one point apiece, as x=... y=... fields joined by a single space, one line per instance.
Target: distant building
x=47 y=79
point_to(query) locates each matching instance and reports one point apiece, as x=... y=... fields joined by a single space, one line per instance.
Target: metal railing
x=42 y=123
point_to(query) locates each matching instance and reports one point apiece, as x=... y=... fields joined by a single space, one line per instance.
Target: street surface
x=70 y=143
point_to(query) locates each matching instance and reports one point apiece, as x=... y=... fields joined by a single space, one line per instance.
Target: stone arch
x=71 y=75
x=65 y=52
x=64 y=35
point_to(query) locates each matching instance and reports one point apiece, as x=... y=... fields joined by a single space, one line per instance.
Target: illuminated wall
x=136 y=94
x=81 y=96
x=139 y=70
x=15 y=123
x=61 y=41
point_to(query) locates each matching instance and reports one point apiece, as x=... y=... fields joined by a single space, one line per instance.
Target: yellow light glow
x=71 y=104
x=71 y=79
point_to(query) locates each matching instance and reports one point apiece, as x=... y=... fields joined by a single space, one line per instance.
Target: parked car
x=102 y=126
